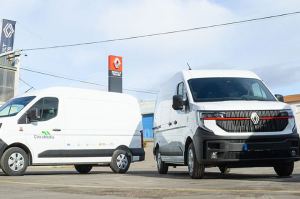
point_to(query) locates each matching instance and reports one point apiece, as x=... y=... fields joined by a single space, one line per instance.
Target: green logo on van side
x=45 y=135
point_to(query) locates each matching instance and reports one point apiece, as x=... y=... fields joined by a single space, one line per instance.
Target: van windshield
x=14 y=106
x=222 y=89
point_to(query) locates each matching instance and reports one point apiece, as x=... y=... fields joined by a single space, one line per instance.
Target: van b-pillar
x=115 y=69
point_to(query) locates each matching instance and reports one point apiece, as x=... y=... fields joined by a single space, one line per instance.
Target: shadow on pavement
x=216 y=175
x=173 y=175
x=41 y=173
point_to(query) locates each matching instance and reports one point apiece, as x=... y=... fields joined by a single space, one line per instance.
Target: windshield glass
x=221 y=89
x=14 y=106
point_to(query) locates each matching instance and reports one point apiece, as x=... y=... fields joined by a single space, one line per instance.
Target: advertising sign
x=115 y=72
x=7 y=35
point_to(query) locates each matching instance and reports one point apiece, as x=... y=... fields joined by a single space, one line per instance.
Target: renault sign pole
x=115 y=73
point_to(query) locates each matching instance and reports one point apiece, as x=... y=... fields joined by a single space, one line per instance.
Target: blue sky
x=270 y=48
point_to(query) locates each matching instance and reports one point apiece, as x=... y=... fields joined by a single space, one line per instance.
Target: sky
x=270 y=48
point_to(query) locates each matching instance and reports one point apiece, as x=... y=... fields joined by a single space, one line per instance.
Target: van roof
x=77 y=93
x=189 y=74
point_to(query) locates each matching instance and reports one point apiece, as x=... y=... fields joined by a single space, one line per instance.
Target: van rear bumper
x=245 y=151
x=139 y=153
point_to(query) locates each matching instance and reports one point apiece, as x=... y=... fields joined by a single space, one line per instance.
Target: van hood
x=240 y=105
x=3 y=119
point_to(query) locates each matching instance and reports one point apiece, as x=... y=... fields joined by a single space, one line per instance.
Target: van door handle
x=170 y=123
x=175 y=122
x=56 y=130
x=156 y=128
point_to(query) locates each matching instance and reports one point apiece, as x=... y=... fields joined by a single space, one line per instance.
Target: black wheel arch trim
x=4 y=146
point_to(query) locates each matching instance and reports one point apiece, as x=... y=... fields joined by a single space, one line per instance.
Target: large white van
x=223 y=118
x=69 y=126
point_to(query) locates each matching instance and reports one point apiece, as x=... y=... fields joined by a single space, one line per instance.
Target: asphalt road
x=142 y=181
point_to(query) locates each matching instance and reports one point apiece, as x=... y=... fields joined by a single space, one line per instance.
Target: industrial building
x=9 y=74
x=147 y=110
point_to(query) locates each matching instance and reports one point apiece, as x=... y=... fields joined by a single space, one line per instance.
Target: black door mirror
x=33 y=115
x=279 y=97
x=178 y=102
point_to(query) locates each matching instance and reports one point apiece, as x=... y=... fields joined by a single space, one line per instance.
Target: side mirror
x=33 y=115
x=177 y=102
x=279 y=97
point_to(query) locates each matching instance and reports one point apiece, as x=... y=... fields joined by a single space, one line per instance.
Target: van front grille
x=240 y=121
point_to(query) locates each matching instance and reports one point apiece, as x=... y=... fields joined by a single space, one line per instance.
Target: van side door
x=42 y=132
x=178 y=125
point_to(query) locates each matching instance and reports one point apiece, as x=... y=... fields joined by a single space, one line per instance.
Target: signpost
x=115 y=72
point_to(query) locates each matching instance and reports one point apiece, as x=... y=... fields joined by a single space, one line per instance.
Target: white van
x=222 y=118
x=69 y=126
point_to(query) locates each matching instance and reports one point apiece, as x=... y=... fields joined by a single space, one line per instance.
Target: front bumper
x=245 y=150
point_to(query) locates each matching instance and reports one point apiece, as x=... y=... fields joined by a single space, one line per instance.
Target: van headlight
x=287 y=113
x=208 y=115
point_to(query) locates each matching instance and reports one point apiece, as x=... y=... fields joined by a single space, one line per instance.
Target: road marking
x=154 y=188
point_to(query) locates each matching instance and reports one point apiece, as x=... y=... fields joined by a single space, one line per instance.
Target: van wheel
x=284 y=169
x=83 y=169
x=224 y=169
x=14 y=161
x=120 y=161
x=195 y=169
x=162 y=167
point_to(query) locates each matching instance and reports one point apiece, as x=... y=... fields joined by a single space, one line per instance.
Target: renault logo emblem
x=254 y=118
x=8 y=30
x=117 y=63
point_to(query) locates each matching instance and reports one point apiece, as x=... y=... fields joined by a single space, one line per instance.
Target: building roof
x=292 y=98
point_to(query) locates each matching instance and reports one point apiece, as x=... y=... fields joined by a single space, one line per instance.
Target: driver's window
x=47 y=108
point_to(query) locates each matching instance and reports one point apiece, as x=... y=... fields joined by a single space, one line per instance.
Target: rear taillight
x=142 y=138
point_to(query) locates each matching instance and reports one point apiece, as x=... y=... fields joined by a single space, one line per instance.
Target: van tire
x=14 y=157
x=120 y=161
x=224 y=169
x=284 y=169
x=83 y=168
x=162 y=167
x=196 y=170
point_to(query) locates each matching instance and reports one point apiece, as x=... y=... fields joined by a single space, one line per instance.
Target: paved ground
x=142 y=181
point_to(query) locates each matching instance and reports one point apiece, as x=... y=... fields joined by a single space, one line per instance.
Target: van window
x=14 y=106
x=47 y=107
x=223 y=88
x=257 y=91
x=181 y=90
